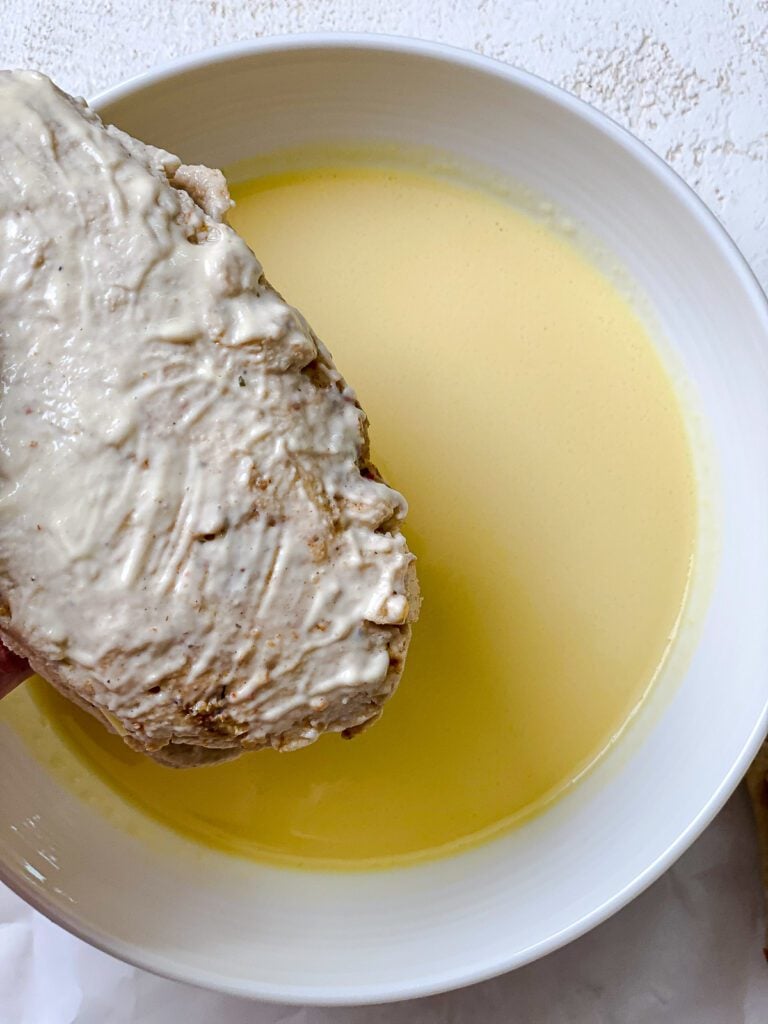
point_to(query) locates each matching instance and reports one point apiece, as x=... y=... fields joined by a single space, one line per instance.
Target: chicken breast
x=194 y=545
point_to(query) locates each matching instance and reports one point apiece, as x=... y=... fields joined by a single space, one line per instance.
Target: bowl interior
x=325 y=937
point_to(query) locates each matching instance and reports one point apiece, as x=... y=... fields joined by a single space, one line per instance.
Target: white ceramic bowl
x=334 y=938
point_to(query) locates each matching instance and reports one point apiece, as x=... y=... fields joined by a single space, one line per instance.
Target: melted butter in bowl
x=521 y=405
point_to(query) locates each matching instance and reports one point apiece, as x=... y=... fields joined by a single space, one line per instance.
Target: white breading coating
x=192 y=540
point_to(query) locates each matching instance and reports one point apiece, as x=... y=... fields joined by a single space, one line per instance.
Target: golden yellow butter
x=521 y=406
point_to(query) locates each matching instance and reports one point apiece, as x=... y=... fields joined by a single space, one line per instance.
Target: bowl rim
x=654 y=165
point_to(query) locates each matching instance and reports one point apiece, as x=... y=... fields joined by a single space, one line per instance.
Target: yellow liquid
x=517 y=402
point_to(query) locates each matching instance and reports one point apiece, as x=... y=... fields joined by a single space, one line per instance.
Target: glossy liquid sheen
x=517 y=402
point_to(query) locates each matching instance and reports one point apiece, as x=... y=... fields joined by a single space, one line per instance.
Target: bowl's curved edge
x=436 y=983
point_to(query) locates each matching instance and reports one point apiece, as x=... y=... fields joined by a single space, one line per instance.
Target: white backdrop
x=691 y=79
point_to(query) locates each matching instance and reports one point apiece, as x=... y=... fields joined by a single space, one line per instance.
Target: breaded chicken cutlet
x=194 y=544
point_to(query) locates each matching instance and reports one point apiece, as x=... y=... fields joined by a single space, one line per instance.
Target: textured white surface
x=691 y=79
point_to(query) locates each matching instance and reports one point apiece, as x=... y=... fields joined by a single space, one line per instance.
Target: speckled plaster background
x=689 y=77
